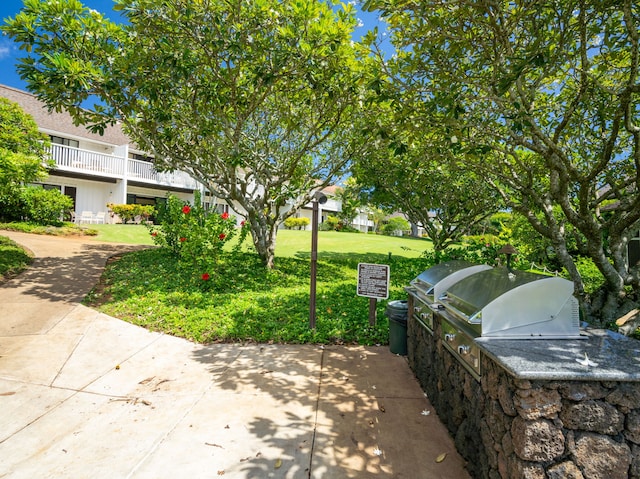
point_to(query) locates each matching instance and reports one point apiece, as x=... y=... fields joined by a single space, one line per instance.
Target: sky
x=9 y=51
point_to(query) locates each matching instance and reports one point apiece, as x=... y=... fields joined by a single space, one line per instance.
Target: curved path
x=85 y=395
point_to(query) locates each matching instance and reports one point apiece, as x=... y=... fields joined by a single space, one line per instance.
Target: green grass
x=294 y=243
x=66 y=229
x=119 y=233
x=13 y=258
x=244 y=302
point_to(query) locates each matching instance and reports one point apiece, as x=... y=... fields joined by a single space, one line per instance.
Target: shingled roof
x=60 y=122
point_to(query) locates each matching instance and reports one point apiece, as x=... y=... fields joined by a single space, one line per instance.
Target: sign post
x=373 y=283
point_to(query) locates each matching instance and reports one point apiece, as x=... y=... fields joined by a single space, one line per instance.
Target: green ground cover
x=13 y=258
x=244 y=302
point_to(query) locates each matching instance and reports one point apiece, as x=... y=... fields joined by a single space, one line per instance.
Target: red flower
x=183 y=239
x=225 y=216
x=205 y=276
x=222 y=236
x=154 y=233
x=242 y=223
x=186 y=209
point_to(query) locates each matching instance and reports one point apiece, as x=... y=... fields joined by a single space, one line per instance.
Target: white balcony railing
x=84 y=161
x=144 y=171
x=72 y=159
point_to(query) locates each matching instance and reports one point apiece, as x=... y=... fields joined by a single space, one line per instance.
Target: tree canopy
x=257 y=100
x=541 y=98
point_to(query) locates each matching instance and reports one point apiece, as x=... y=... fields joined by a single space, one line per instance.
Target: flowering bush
x=131 y=212
x=195 y=235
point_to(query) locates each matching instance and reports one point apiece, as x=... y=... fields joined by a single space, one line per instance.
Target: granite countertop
x=609 y=357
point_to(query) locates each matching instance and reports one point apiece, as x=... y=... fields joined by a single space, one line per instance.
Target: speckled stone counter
x=540 y=410
x=601 y=356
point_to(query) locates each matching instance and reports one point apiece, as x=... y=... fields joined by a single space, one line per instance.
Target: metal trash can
x=397 y=312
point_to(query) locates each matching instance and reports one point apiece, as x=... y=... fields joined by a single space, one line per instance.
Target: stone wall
x=507 y=428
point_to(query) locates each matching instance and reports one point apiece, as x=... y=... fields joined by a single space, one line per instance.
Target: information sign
x=373 y=280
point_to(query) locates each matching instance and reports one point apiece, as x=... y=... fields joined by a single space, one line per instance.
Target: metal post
x=314 y=260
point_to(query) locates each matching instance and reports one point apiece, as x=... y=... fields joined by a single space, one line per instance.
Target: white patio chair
x=86 y=217
x=100 y=217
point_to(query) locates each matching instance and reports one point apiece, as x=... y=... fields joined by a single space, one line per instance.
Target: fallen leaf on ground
x=441 y=457
x=278 y=464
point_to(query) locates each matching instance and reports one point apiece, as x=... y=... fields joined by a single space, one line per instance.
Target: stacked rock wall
x=508 y=428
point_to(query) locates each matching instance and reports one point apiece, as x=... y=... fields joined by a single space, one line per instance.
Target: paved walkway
x=85 y=395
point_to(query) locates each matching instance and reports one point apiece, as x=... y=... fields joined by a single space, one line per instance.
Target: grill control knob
x=464 y=349
x=424 y=315
x=449 y=337
x=416 y=309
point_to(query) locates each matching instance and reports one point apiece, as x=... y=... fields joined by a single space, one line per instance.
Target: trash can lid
x=398 y=303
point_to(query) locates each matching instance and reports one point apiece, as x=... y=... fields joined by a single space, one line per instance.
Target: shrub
x=23 y=156
x=332 y=223
x=192 y=233
x=45 y=207
x=394 y=225
x=131 y=212
x=300 y=223
x=482 y=249
x=591 y=275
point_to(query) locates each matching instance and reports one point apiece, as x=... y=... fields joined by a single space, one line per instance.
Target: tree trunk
x=263 y=233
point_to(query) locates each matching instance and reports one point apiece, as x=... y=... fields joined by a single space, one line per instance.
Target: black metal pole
x=314 y=260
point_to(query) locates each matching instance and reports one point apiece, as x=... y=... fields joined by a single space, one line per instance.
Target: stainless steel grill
x=498 y=303
x=434 y=282
x=476 y=302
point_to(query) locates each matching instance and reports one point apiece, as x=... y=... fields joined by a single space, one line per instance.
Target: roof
x=60 y=122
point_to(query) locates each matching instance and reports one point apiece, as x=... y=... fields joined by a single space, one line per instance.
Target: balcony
x=75 y=160
x=143 y=171
x=68 y=158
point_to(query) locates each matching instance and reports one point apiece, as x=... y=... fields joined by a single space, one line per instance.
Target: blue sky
x=9 y=51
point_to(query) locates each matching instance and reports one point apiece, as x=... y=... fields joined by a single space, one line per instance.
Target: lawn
x=244 y=302
x=294 y=243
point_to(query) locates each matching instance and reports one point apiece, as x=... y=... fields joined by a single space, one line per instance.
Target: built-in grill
x=434 y=282
x=499 y=303
x=478 y=302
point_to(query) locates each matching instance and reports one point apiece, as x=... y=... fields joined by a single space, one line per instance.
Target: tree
x=447 y=200
x=409 y=170
x=542 y=98
x=350 y=201
x=256 y=100
x=23 y=156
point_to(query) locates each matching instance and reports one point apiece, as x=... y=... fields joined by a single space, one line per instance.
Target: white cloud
x=5 y=49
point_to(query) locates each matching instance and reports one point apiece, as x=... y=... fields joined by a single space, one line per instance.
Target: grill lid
x=515 y=304
x=426 y=281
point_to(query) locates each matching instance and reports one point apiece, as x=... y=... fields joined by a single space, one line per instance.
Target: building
x=94 y=170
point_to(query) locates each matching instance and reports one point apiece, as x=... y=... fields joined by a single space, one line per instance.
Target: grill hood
x=519 y=304
x=434 y=281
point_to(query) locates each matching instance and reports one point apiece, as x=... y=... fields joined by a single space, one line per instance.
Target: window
x=138 y=156
x=222 y=208
x=58 y=140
